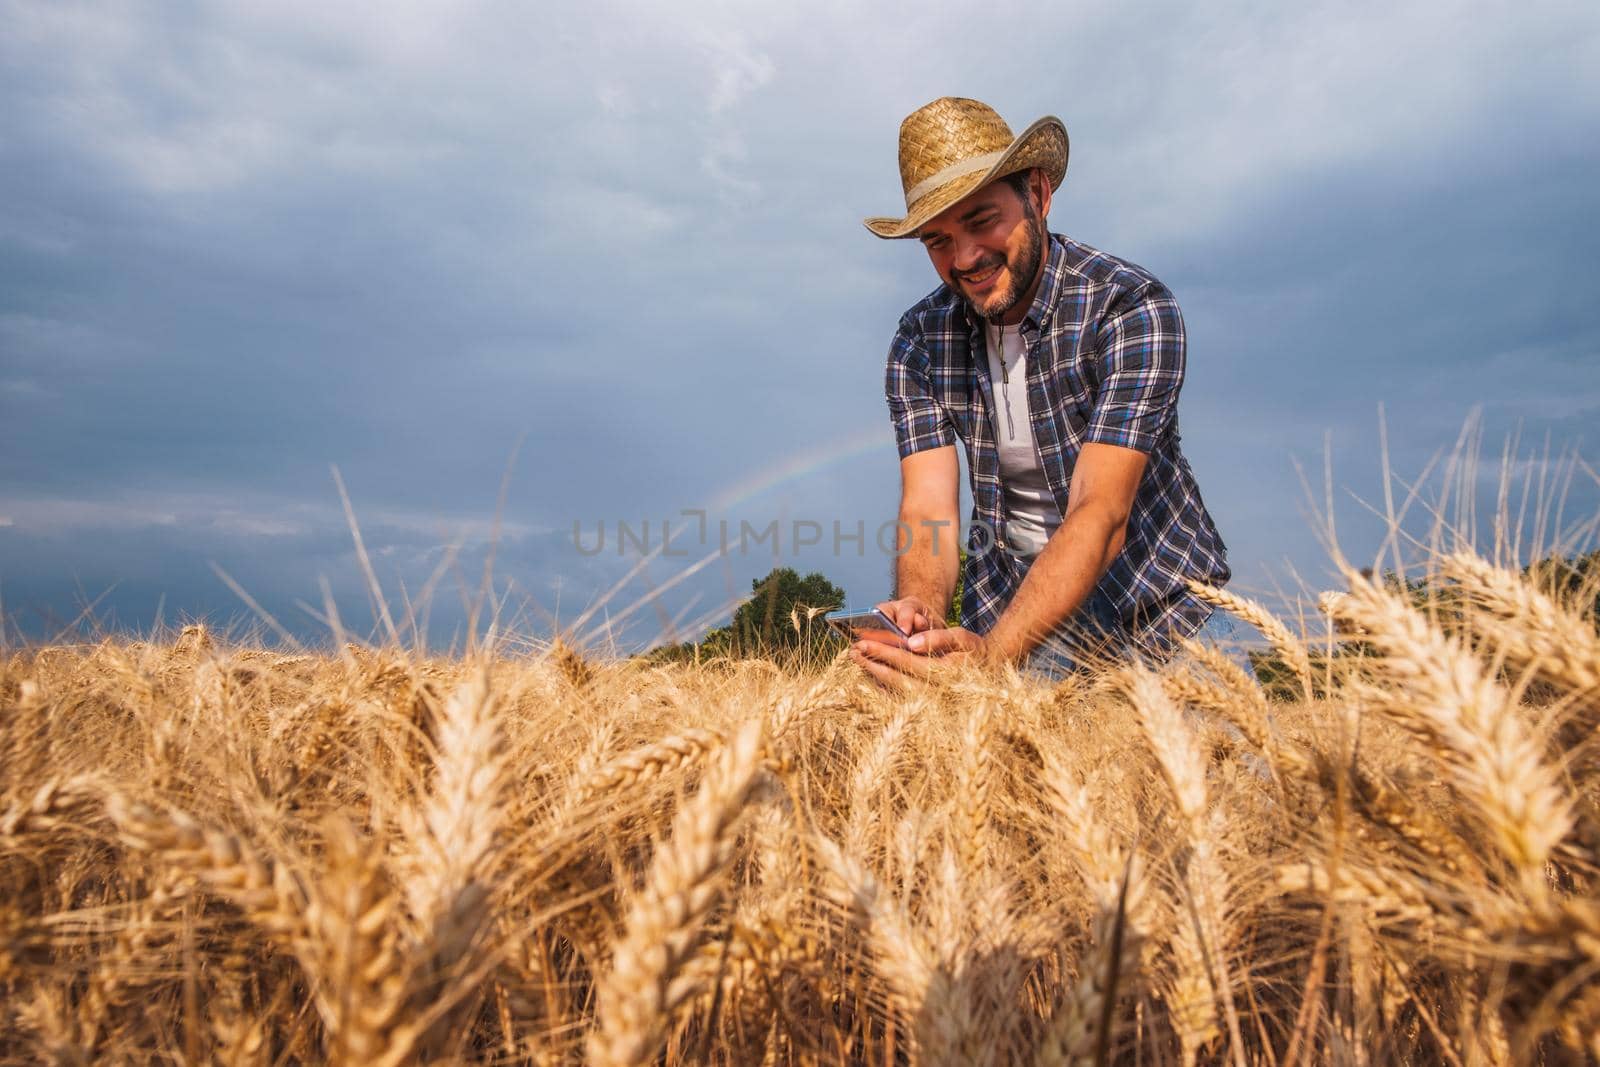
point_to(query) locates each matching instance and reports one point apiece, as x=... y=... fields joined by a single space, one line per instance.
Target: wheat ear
x=1444 y=695
x=920 y=983
x=1245 y=705
x=975 y=790
x=1536 y=630
x=632 y=769
x=360 y=986
x=452 y=830
x=636 y=998
x=265 y=891
x=53 y=805
x=1288 y=645
x=1080 y=1031
x=1200 y=946
x=872 y=771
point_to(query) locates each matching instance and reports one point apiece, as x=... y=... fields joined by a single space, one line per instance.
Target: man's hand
x=909 y=613
x=945 y=642
x=933 y=652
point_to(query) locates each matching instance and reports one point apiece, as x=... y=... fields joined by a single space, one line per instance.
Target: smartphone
x=873 y=625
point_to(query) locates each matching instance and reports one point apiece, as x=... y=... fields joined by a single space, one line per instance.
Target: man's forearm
x=930 y=566
x=1068 y=568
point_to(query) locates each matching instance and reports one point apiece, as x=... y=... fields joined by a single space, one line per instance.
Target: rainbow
x=808 y=462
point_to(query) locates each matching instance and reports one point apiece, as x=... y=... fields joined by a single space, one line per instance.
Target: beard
x=1019 y=273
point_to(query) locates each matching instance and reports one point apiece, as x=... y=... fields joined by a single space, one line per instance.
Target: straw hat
x=954 y=145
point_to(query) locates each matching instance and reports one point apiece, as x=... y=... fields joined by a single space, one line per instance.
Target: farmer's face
x=989 y=246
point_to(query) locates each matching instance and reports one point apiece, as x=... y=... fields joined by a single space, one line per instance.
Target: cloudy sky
x=610 y=257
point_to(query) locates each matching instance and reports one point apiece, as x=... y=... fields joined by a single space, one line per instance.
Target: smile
x=985 y=280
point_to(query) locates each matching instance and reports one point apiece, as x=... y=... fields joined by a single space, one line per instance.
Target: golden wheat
x=215 y=853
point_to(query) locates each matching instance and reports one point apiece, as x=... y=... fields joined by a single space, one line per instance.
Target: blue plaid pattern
x=1106 y=352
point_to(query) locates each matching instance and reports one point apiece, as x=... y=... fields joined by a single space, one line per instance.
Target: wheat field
x=224 y=854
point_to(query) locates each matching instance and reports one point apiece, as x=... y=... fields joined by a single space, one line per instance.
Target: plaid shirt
x=1105 y=364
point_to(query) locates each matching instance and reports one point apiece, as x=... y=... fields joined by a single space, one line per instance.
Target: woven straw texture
x=952 y=130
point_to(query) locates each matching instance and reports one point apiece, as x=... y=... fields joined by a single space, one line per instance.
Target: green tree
x=953 y=619
x=782 y=620
x=785 y=612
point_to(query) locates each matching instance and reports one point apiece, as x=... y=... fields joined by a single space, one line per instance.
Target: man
x=1058 y=367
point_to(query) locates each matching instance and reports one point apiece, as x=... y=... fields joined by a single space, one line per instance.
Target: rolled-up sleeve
x=1141 y=363
x=920 y=421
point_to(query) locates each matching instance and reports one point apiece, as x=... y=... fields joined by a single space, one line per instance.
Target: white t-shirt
x=1031 y=514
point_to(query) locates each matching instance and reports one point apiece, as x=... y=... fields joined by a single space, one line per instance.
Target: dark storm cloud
x=240 y=244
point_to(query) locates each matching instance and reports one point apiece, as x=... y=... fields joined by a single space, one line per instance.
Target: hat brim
x=1043 y=144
